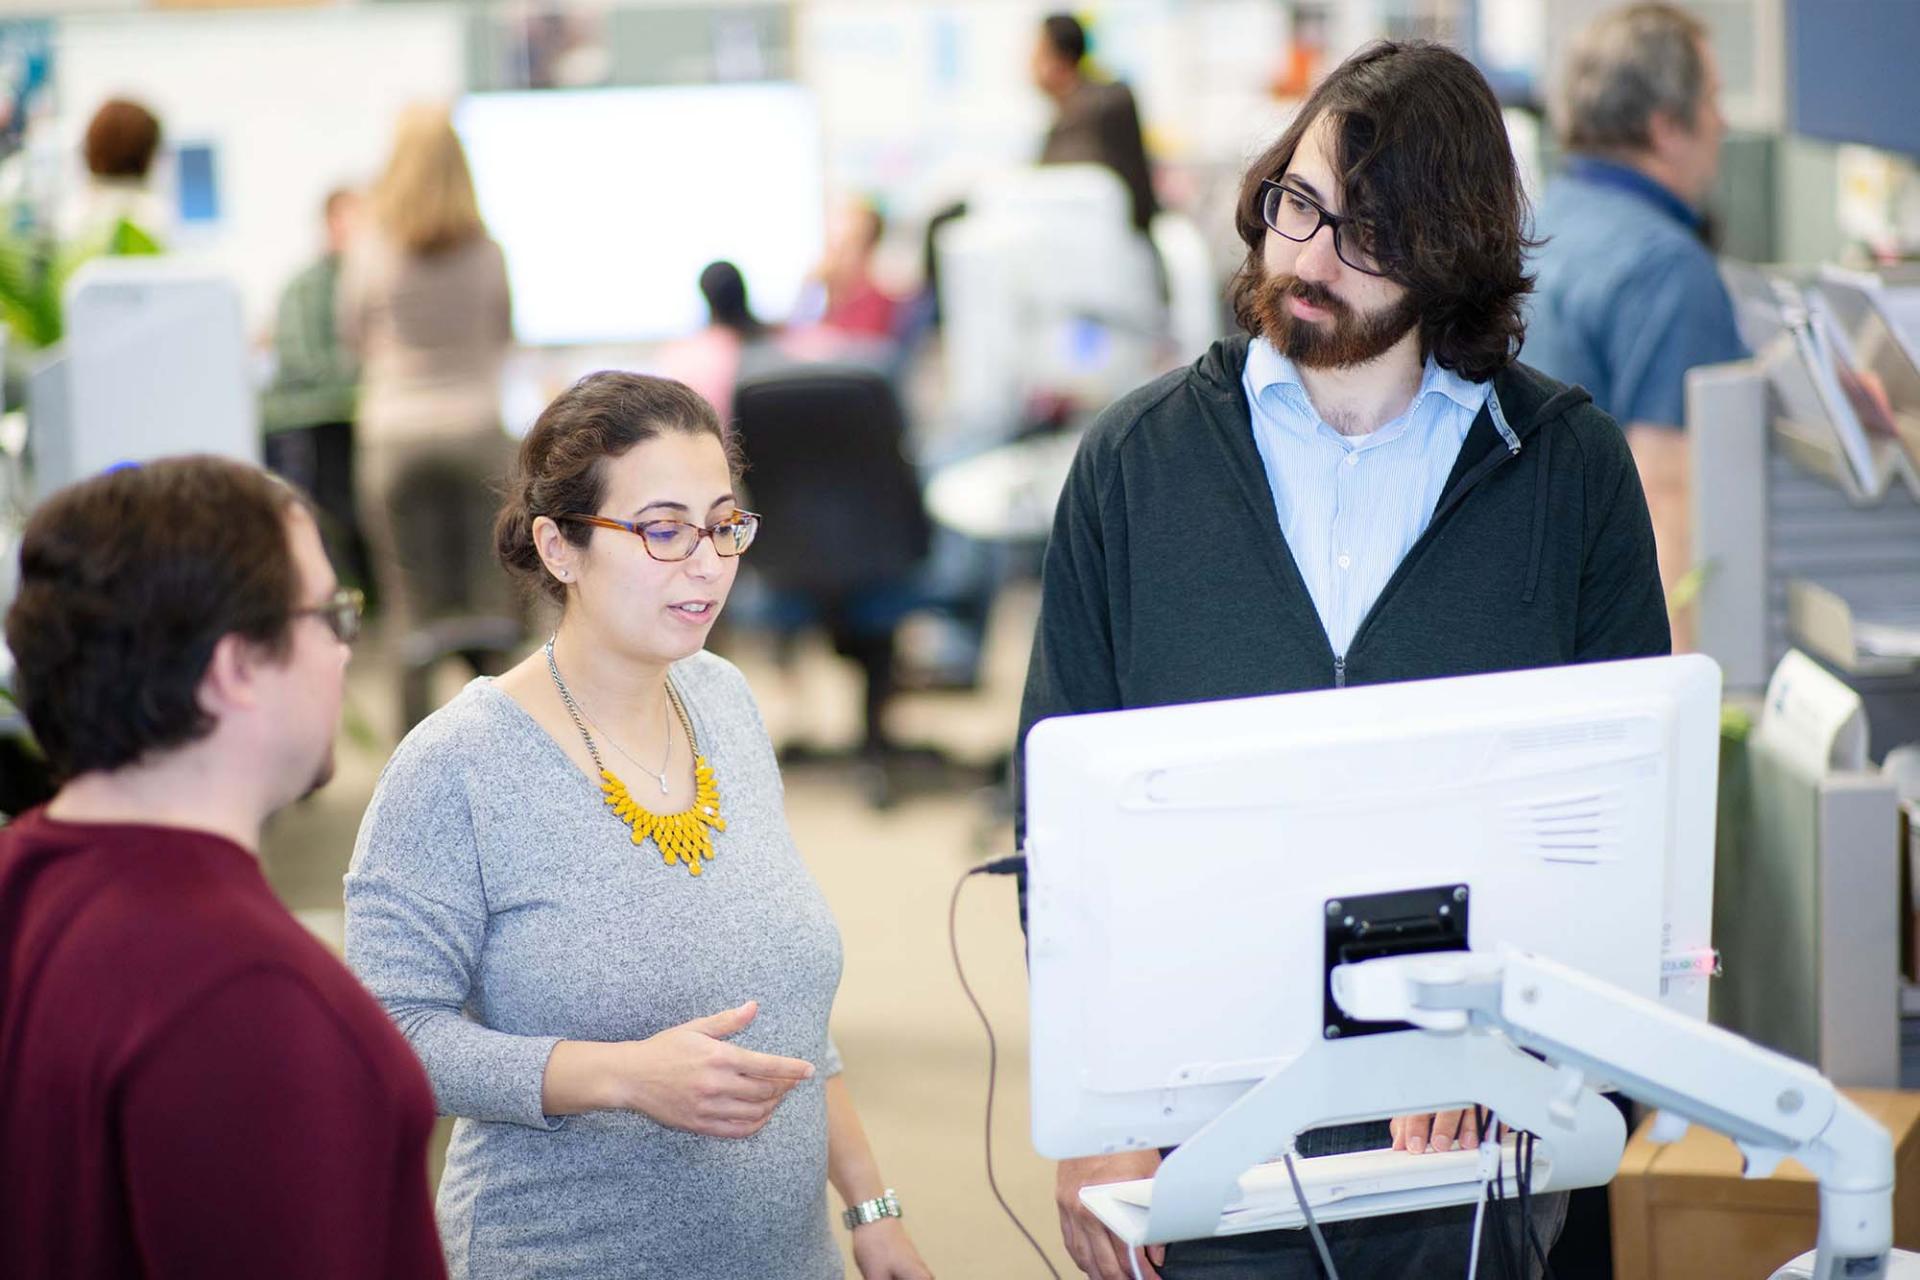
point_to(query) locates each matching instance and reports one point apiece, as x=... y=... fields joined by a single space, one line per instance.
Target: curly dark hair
x=127 y=582
x=561 y=464
x=1422 y=157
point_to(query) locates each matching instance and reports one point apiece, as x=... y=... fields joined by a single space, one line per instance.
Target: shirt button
x=1346 y=562
x=1353 y=459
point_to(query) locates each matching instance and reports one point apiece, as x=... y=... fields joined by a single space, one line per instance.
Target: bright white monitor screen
x=608 y=202
x=1181 y=861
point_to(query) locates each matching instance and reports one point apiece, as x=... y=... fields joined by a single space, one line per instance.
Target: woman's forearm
x=580 y=1077
x=851 y=1167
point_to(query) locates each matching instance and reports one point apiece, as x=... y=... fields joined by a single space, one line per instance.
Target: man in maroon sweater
x=190 y=1085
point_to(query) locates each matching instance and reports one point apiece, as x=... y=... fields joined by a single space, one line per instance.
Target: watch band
x=887 y=1206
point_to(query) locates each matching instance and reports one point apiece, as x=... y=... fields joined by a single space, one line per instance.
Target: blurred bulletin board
x=566 y=44
x=289 y=104
x=26 y=77
x=918 y=101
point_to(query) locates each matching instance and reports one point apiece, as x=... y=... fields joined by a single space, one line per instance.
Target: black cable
x=1313 y=1228
x=1513 y=1253
x=1522 y=1179
x=1507 y=1243
x=993 y=1048
x=1524 y=1176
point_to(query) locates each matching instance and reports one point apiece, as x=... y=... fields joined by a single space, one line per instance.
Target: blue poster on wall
x=26 y=74
x=1850 y=72
x=196 y=179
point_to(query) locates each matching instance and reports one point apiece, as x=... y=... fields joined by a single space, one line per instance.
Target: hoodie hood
x=1527 y=397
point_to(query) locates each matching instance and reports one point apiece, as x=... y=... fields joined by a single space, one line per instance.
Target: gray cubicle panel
x=1806 y=916
x=154 y=362
x=1760 y=521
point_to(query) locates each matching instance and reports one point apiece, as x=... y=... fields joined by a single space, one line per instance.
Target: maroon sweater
x=190 y=1085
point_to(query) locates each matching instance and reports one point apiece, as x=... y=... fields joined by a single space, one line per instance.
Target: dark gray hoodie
x=1167 y=578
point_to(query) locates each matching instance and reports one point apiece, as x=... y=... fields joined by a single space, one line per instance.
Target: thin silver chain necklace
x=576 y=711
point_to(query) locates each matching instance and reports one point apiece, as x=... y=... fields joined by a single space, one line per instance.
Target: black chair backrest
x=825 y=468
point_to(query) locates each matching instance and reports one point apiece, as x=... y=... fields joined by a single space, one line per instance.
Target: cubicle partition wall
x=1788 y=559
x=1807 y=903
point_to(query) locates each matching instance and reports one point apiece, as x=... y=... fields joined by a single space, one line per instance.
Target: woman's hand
x=882 y=1252
x=688 y=1077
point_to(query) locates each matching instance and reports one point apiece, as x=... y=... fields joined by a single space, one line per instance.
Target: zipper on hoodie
x=1448 y=501
x=1339 y=670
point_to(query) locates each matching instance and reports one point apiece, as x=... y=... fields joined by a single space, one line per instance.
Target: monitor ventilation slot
x=1582 y=827
x=1579 y=733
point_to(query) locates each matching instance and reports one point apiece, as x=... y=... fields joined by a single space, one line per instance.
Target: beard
x=1347 y=337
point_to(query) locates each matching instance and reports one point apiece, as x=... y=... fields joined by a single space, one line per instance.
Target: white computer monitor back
x=1182 y=859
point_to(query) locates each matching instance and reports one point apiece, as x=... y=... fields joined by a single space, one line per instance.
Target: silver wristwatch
x=887 y=1206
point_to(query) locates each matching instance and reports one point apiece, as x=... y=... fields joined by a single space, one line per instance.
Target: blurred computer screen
x=608 y=202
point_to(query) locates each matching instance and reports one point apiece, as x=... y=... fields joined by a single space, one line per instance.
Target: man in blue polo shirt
x=1628 y=297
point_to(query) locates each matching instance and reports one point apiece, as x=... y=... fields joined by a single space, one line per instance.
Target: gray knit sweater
x=496 y=907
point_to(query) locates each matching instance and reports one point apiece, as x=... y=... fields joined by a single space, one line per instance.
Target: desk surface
x=1703 y=1154
x=1006 y=494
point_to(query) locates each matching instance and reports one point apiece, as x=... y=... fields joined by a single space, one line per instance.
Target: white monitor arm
x=1596 y=1034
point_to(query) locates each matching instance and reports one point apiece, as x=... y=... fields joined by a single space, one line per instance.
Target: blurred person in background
x=576 y=892
x=855 y=304
x=1627 y=295
x=190 y=1084
x=844 y=316
x=710 y=361
x=307 y=411
x=1095 y=122
x=116 y=210
x=1408 y=501
x=424 y=303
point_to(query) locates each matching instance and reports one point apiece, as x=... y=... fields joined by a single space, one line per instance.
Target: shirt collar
x=1609 y=173
x=1267 y=368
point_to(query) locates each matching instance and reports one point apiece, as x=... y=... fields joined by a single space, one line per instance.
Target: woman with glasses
x=576 y=893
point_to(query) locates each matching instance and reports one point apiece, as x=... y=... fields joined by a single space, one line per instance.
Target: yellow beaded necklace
x=685 y=837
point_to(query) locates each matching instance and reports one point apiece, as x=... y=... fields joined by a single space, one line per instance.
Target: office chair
x=846 y=530
x=457 y=600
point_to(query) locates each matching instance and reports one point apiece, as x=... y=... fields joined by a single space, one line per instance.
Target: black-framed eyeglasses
x=1296 y=215
x=672 y=540
x=341 y=611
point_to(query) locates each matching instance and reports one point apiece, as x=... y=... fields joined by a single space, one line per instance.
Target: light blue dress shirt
x=1351 y=507
x=1626 y=297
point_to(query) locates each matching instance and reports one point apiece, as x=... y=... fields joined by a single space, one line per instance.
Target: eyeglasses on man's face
x=1296 y=215
x=341 y=612
x=672 y=540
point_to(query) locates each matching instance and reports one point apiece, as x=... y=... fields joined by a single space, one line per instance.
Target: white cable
x=1490 y=1156
x=1133 y=1257
x=1479 y=1218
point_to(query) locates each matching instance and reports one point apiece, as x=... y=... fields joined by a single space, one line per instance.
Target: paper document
x=1888 y=633
x=1823 y=350
x=1879 y=369
x=1813 y=718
